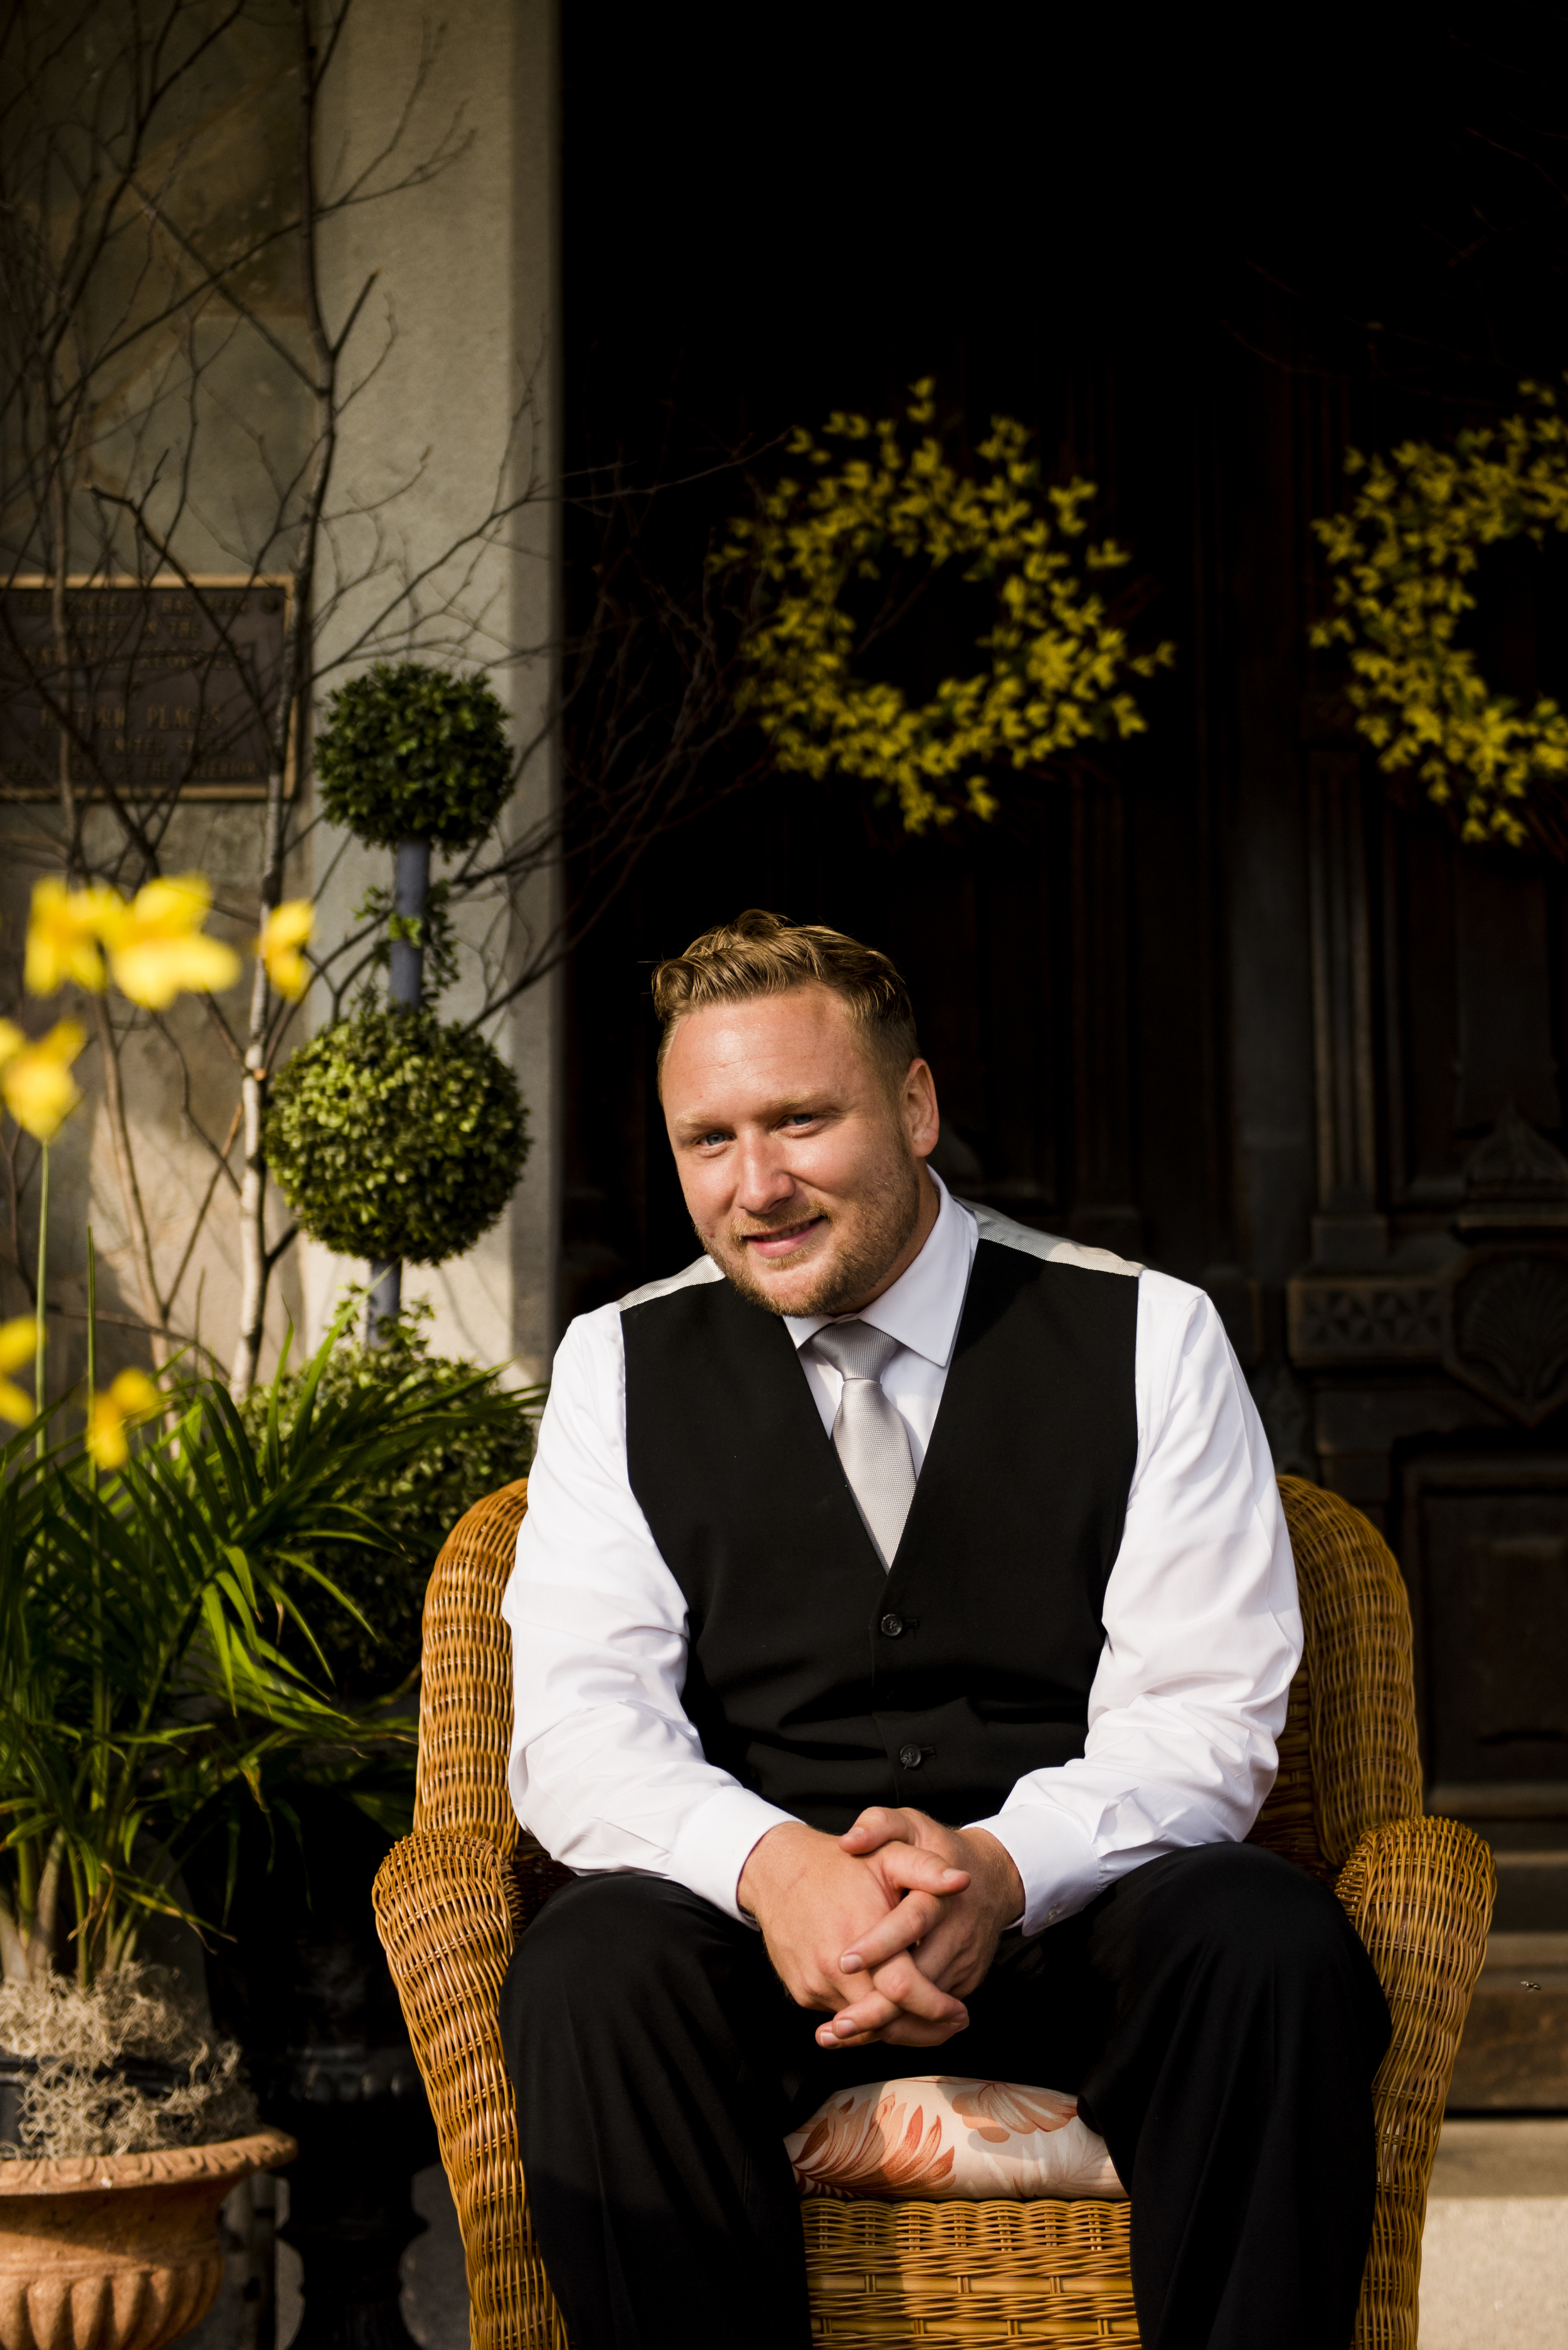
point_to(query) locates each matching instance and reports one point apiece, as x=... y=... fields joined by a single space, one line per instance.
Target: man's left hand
x=950 y=1937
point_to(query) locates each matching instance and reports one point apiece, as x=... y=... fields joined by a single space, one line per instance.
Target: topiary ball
x=395 y=1138
x=411 y=751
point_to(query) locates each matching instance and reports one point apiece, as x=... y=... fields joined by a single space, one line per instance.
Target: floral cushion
x=937 y=2136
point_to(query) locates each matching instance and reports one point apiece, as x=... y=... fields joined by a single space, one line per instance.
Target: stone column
x=461 y=415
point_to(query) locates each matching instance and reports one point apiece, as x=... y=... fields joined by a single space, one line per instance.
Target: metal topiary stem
x=405 y=991
x=411 y=889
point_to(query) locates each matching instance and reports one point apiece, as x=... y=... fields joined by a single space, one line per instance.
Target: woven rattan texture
x=1288 y=1822
x=451 y=1898
x=1361 y=1681
x=970 y=2273
x=1352 y=1706
x=1419 y=1893
x=466 y=1689
x=445 y=1917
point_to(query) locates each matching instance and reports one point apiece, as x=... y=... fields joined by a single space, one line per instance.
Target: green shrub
x=159 y=1685
x=415 y=1500
x=410 y=752
x=394 y=1137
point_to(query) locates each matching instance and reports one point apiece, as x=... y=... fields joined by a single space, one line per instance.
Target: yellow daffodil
x=35 y=1080
x=285 y=932
x=158 y=949
x=18 y=1345
x=65 y=936
x=131 y=1397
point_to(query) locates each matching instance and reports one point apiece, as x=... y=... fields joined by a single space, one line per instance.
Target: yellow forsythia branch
x=874 y=495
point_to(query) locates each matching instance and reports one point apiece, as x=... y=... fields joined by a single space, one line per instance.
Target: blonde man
x=903 y=1623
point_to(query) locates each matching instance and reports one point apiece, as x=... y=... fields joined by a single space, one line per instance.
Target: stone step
x=1531 y=1892
x=1481 y=2159
x=1513 y=2056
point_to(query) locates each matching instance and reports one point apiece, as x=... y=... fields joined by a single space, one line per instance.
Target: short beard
x=891 y=1215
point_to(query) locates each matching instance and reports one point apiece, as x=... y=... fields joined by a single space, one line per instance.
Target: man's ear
x=922 y=1118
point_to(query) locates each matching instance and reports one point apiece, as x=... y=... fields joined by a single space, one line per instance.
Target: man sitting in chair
x=903 y=1622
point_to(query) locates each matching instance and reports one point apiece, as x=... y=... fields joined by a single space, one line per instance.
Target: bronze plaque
x=171 y=689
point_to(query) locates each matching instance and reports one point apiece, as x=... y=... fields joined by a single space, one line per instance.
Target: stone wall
x=454 y=416
x=465 y=403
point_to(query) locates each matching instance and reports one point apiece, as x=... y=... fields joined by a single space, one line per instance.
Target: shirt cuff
x=716 y=1842
x=1058 y=1865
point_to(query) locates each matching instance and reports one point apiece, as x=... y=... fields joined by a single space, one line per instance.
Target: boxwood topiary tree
x=397 y=1137
x=391 y=1136
x=411 y=751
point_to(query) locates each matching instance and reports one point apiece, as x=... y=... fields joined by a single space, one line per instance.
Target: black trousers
x=1214 y=2012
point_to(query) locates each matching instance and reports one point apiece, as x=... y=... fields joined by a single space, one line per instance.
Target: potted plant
x=170 y=1725
x=152 y=1590
x=113 y=2240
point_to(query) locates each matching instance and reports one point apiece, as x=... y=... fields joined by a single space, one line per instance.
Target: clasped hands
x=888 y=1926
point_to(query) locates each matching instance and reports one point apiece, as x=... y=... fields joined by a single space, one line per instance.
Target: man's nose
x=764 y=1181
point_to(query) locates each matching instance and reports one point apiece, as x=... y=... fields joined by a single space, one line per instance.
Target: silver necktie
x=868 y=1434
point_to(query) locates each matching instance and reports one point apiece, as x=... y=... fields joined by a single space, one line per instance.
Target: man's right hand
x=812 y=1901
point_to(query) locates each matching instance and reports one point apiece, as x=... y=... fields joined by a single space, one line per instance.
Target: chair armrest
x=1419 y=1893
x=445 y=1906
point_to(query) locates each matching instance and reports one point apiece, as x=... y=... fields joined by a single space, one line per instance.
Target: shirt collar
x=922 y=1307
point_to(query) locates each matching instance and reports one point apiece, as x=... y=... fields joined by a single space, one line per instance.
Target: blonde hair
x=763 y=954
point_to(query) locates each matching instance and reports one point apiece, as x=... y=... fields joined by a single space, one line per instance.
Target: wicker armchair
x=452 y=1897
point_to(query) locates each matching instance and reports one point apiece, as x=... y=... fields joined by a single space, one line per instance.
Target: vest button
x=893 y=1626
x=909 y=1756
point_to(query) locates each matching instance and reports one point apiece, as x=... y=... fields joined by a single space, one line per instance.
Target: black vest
x=814 y=1677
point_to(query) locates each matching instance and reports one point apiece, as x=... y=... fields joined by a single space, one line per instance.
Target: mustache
x=783 y=1221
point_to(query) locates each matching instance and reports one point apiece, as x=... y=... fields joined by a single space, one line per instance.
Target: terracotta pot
x=117 y=2252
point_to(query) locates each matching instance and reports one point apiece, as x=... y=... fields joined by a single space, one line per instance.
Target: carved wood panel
x=1472 y=1004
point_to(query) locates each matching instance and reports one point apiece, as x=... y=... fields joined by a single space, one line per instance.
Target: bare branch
x=127 y=313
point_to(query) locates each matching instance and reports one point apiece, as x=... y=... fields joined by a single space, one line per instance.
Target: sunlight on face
x=802 y=1167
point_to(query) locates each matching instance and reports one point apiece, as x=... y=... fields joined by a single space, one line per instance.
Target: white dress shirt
x=1202 y=1628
